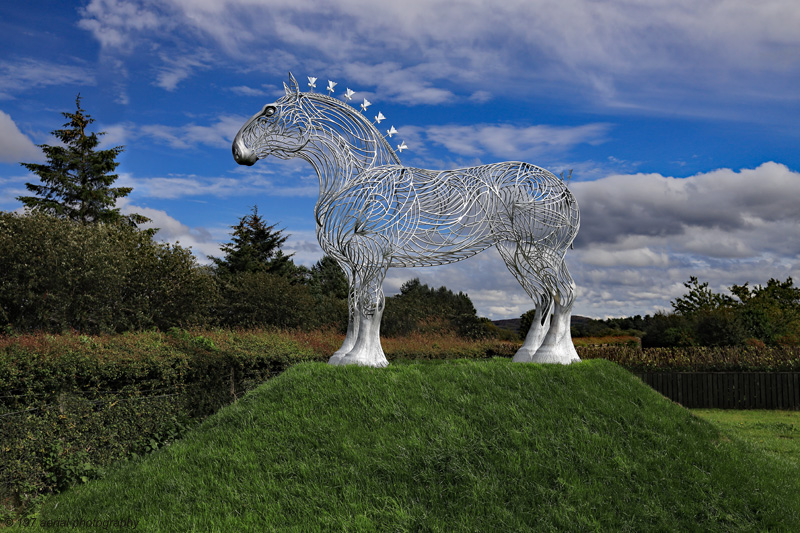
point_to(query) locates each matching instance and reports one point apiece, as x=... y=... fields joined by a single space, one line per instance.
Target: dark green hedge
x=262 y=299
x=485 y=349
x=699 y=358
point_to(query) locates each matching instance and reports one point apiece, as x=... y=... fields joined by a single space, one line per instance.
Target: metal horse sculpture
x=374 y=213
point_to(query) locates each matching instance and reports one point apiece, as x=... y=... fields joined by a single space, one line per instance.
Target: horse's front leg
x=539 y=328
x=367 y=350
x=352 y=324
x=557 y=346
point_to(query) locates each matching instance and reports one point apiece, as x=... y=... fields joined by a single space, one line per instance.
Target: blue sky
x=679 y=119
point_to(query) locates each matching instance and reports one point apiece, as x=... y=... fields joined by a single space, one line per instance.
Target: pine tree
x=255 y=247
x=76 y=180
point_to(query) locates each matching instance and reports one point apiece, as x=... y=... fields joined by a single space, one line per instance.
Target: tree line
x=750 y=315
x=58 y=275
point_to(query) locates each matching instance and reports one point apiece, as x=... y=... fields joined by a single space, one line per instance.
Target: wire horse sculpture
x=374 y=213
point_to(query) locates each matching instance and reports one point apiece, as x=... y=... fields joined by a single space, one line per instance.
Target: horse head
x=280 y=129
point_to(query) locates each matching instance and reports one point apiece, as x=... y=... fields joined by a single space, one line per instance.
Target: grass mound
x=455 y=446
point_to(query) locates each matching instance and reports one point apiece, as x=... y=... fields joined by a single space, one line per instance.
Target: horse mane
x=335 y=116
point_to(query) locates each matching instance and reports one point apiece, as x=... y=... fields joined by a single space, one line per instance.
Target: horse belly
x=442 y=244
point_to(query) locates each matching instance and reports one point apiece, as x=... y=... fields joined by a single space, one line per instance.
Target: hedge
x=699 y=358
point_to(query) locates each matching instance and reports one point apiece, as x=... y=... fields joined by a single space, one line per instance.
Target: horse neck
x=342 y=144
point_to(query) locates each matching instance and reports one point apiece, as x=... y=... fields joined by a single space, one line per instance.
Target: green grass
x=776 y=432
x=452 y=446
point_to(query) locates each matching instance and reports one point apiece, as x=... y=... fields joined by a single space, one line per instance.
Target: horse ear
x=293 y=88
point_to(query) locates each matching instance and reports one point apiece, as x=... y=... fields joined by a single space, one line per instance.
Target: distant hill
x=512 y=324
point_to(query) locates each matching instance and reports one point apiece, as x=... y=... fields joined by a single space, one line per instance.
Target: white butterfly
x=379 y=117
x=331 y=85
x=402 y=146
x=349 y=94
x=391 y=131
x=312 y=82
x=365 y=105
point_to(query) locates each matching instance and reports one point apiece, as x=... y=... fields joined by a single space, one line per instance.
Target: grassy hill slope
x=455 y=446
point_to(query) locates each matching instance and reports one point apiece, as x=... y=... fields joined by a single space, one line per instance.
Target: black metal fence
x=728 y=390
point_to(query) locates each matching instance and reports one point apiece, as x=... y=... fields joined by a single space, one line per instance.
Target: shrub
x=422 y=309
x=57 y=275
x=330 y=312
x=666 y=330
x=260 y=299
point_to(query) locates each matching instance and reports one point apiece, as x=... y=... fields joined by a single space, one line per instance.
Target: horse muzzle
x=242 y=154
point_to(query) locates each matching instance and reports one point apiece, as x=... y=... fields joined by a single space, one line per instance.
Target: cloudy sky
x=679 y=119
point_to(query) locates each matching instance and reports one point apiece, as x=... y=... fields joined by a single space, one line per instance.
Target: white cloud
x=303 y=246
x=206 y=242
x=284 y=181
x=26 y=74
x=116 y=135
x=643 y=235
x=637 y=257
x=174 y=187
x=514 y=142
x=176 y=69
x=11 y=187
x=243 y=90
x=623 y=53
x=410 y=85
x=656 y=206
x=480 y=96
x=219 y=134
x=15 y=146
x=114 y=23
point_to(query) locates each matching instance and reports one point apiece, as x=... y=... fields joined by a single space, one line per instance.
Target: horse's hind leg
x=528 y=268
x=548 y=340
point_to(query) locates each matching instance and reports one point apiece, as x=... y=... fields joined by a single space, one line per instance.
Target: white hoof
x=337 y=356
x=563 y=355
x=363 y=362
x=524 y=355
x=363 y=358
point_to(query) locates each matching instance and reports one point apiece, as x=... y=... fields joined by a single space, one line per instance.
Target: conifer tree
x=76 y=180
x=255 y=247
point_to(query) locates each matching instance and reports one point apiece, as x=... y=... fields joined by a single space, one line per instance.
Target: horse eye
x=269 y=111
